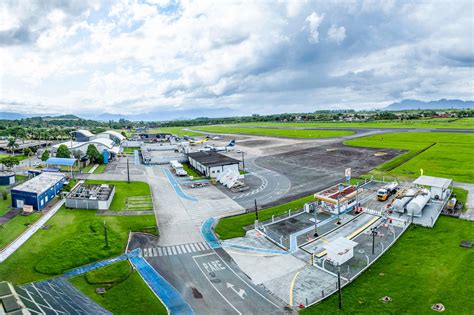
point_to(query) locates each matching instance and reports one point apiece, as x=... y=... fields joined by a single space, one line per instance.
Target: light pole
x=339 y=285
x=256 y=210
x=128 y=171
x=243 y=161
x=315 y=220
x=374 y=233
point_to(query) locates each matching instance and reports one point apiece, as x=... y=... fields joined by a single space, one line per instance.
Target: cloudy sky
x=248 y=56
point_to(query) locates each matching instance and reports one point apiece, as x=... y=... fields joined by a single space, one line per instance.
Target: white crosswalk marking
x=175 y=250
x=201 y=247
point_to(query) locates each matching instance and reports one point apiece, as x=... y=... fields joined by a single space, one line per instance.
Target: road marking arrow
x=240 y=293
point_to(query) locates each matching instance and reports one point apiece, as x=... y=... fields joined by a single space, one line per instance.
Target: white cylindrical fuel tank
x=415 y=207
x=399 y=203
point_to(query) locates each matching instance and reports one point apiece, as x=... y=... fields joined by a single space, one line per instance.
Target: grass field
x=177 y=131
x=13 y=228
x=130 y=150
x=75 y=238
x=100 y=169
x=191 y=171
x=124 y=191
x=287 y=133
x=424 y=267
x=88 y=168
x=126 y=292
x=442 y=123
x=446 y=154
x=231 y=227
x=461 y=196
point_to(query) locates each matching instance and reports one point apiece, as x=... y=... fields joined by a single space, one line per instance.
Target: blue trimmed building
x=38 y=191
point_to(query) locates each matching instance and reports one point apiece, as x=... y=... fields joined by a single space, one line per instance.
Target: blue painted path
x=208 y=234
x=177 y=187
x=167 y=293
x=100 y=264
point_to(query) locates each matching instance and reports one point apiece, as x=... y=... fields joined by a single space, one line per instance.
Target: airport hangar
x=211 y=163
x=38 y=191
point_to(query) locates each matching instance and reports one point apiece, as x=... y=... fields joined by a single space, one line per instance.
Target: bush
x=111 y=274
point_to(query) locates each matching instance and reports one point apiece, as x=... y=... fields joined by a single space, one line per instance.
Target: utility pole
x=256 y=210
x=105 y=235
x=339 y=285
x=315 y=220
x=128 y=171
x=243 y=160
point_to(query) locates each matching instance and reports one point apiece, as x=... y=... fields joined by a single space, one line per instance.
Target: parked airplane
x=193 y=142
x=229 y=147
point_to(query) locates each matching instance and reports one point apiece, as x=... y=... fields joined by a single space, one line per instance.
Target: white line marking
x=188 y=248
x=193 y=248
x=164 y=251
x=203 y=255
x=145 y=252
x=245 y=281
x=160 y=253
x=235 y=309
x=170 y=253
x=178 y=248
x=174 y=250
x=201 y=246
x=155 y=253
x=205 y=245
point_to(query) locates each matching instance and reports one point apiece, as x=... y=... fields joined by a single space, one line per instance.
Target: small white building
x=340 y=250
x=212 y=164
x=439 y=186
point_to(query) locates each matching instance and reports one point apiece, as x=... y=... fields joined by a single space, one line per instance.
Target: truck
x=386 y=191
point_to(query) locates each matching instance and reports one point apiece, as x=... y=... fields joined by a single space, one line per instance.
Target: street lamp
x=315 y=221
x=374 y=233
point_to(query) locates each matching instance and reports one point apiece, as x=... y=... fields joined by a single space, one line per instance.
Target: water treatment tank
x=415 y=207
x=399 y=203
x=7 y=178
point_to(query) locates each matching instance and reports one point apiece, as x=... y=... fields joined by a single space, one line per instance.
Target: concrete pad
x=263 y=267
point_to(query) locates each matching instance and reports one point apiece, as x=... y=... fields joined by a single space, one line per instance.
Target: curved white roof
x=85 y=133
x=116 y=134
x=74 y=145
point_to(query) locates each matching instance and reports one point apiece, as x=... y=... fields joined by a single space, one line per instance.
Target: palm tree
x=12 y=145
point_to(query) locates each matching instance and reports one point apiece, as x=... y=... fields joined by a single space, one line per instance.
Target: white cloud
x=130 y=57
x=337 y=34
x=314 y=20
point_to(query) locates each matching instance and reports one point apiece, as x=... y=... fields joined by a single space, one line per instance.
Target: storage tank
x=415 y=207
x=7 y=178
x=399 y=203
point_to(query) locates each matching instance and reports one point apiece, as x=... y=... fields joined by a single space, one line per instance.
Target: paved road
x=209 y=280
x=469 y=213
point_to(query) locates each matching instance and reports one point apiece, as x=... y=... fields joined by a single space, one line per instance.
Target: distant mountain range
x=173 y=114
x=440 y=104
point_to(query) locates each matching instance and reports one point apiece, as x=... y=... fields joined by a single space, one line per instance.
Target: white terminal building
x=110 y=141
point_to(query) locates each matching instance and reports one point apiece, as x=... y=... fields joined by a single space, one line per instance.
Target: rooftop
x=211 y=159
x=92 y=192
x=431 y=181
x=40 y=183
x=61 y=161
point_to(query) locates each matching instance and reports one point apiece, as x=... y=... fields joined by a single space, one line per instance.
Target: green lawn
x=287 y=133
x=125 y=193
x=463 y=123
x=100 y=169
x=461 y=195
x=75 y=238
x=231 y=227
x=13 y=228
x=438 y=154
x=177 y=131
x=130 y=150
x=88 y=168
x=191 y=171
x=126 y=292
x=5 y=204
x=425 y=266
